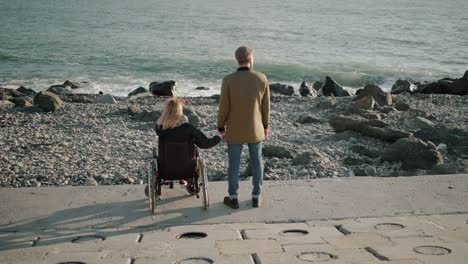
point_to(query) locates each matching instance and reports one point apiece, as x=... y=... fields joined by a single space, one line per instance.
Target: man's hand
x=267 y=133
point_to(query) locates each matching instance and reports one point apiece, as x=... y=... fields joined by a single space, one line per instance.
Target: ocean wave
x=5 y=56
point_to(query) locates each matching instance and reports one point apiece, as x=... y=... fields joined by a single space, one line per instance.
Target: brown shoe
x=232 y=203
x=256 y=202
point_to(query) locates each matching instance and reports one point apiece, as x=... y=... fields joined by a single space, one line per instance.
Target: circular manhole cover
x=197 y=260
x=294 y=232
x=192 y=235
x=316 y=256
x=432 y=250
x=388 y=226
x=88 y=239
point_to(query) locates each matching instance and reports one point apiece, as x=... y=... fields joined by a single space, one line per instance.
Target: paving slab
x=126 y=206
x=352 y=220
x=428 y=250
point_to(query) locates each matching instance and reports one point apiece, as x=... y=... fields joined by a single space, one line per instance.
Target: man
x=243 y=117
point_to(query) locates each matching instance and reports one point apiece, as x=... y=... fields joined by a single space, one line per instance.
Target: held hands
x=222 y=134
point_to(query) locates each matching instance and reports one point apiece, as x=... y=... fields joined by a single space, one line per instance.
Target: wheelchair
x=176 y=161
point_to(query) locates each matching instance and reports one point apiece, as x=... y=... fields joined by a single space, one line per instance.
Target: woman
x=173 y=126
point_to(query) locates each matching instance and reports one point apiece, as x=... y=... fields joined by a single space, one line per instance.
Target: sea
x=115 y=46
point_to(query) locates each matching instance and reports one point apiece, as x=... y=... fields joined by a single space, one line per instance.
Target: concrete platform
x=341 y=220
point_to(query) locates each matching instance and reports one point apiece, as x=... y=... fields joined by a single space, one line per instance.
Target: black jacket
x=186 y=132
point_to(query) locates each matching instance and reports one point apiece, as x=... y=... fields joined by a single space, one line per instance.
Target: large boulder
x=372 y=128
x=138 y=90
x=331 y=87
x=455 y=138
x=60 y=90
x=381 y=97
x=283 y=89
x=446 y=86
x=414 y=153
x=402 y=86
x=26 y=91
x=304 y=90
x=162 y=88
x=48 y=101
x=365 y=103
x=310 y=157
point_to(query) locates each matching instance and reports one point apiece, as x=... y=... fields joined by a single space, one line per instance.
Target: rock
x=345 y=136
x=60 y=90
x=22 y=102
x=68 y=83
x=26 y=91
x=304 y=90
x=327 y=103
x=365 y=103
x=446 y=169
x=7 y=94
x=48 y=101
x=446 y=86
x=139 y=90
x=309 y=157
x=6 y=104
x=134 y=110
x=276 y=151
x=402 y=86
x=330 y=87
x=317 y=85
x=105 y=99
x=419 y=123
x=381 y=97
x=371 y=128
x=162 y=89
x=359 y=172
x=216 y=97
x=400 y=106
x=370 y=171
x=282 y=89
x=371 y=115
x=308 y=119
x=201 y=88
x=35 y=183
x=194 y=119
x=455 y=139
x=90 y=181
x=387 y=109
x=414 y=153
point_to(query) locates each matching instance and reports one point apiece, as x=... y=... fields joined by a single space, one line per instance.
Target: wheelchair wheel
x=190 y=187
x=152 y=185
x=204 y=184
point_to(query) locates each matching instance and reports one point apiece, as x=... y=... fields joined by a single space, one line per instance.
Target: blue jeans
x=255 y=153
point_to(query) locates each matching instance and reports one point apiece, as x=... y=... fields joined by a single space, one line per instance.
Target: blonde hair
x=173 y=111
x=243 y=54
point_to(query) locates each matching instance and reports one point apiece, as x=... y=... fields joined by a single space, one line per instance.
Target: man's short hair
x=243 y=54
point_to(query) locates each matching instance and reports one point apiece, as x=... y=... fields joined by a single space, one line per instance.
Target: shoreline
x=91 y=143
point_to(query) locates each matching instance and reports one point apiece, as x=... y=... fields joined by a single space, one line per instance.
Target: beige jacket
x=244 y=106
